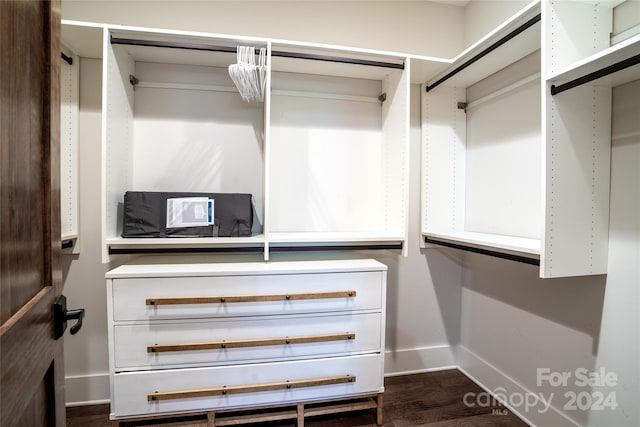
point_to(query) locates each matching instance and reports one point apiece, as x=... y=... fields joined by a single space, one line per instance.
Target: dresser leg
x=300 y=410
x=379 y=409
x=211 y=419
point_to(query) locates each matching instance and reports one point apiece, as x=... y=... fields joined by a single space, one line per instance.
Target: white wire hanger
x=249 y=78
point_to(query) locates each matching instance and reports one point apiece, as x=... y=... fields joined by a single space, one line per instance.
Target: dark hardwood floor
x=434 y=399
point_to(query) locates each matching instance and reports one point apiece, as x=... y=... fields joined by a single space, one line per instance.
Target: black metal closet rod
x=398 y=66
x=248 y=249
x=486 y=51
x=605 y=71
x=67 y=59
x=211 y=48
x=488 y=252
x=394 y=246
x=240 y=249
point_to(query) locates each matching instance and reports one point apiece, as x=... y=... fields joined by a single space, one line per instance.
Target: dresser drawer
x=165 y=391
x=165 y=343
x=219 y=296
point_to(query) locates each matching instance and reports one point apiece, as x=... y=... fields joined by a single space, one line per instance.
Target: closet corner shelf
x=516 y=38
x=83 y=38
x=622 y=51
x=508 y=245
x=425 y=67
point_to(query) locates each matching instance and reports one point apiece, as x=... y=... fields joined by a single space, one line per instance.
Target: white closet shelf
x=338 y=238
x=523 y=33
x=348 y=240
x=424 y=67
x=519 y=246
x=83 y=38
x=184 y=242
x=608 y=57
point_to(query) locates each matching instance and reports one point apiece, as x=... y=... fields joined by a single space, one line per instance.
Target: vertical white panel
x=576 y=30
x=267 y=151
x=69 y=108
x=117 y=138
x=443 y=159
x=578 y=142
x=395 y=151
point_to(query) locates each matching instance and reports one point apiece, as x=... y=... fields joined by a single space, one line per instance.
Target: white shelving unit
x=481 y=145
x=77 y=40
x=181 y=127
x=509 y=168
x=490 y=161
x=325 y=156
x=338 y=154
x=578 y=131
x=69 y=110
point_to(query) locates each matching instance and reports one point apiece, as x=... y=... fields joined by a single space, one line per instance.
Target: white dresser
x=198 y=337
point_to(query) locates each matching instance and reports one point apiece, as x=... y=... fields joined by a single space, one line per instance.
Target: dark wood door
x=31 y=364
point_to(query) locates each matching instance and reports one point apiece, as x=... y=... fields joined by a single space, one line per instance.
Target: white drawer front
x=132 y=390
x=142 y=298
x=148 y=346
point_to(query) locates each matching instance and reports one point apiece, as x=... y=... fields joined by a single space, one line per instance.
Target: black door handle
x=61 y=315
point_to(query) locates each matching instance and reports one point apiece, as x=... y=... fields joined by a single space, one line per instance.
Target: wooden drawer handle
x=214 y=345
x=249 y=298
x=224 y=390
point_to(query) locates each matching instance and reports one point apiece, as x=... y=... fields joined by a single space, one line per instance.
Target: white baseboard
x=83 y=390
x=498 y=383
x=417 y=360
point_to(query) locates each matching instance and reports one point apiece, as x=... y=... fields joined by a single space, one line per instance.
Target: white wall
x=514 y=323
x=86 y=354
x=481 y=16
x=403 y=26
x=423 y=291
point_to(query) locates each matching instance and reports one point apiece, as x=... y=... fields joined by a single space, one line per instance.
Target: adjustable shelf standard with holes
x=584 y=59
x=76 y=41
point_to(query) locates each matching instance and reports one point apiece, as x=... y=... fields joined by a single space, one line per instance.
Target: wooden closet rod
x=605 y=71
x=488 y=252
x=486 y=51
x=229 y=49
